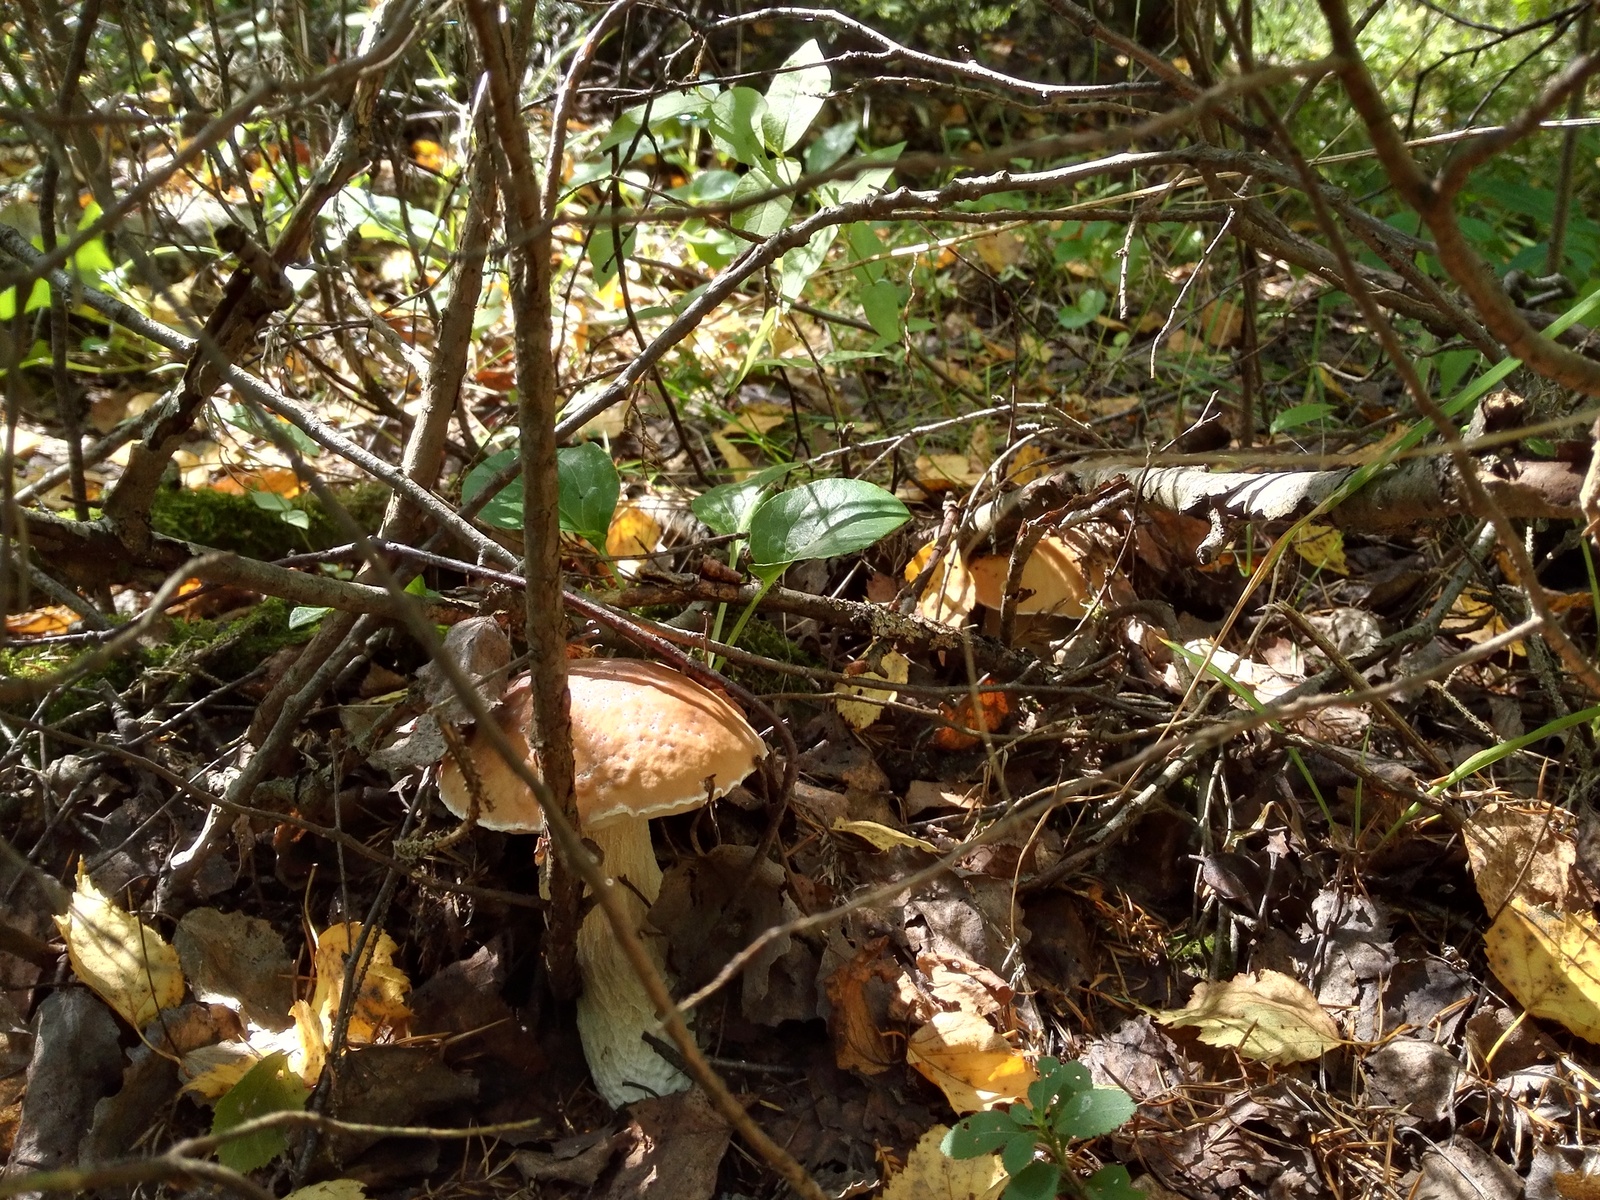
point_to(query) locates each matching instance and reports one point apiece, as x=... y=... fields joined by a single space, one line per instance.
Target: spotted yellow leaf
x=1323 y=547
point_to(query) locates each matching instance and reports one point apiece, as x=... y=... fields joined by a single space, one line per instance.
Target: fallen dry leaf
x=1550 y=961
x=944 y=472
x=930 y=1174
x=1323 y=547
x=882 y=836
x=380 y=1002
x=971 y=1063
x=950 y=594
x=1269 y=1017
x=40 y=622
x=123 y=961
x=858 y=1042
x=869 y=702
x=1525 y=850
x=633 y=532
x=239 y=962
x=995 y=706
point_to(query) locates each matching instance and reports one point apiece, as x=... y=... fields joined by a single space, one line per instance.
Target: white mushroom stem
x=615 y=1011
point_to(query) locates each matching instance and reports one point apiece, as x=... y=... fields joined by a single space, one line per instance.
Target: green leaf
x=832 y=144
x=1069 y=1076
x=1095 y=1112
x=660 y=113
x=303 y=616
x=1018 y=1152
x=801 y=263
x=881 y=301
x=735 y=123
x=1037 y=1181
x=268 y=1087
x=769 y=216
x=589 y=491
x=1090 y=305
x=504 y=511
x=867 y=248
x=603 y=254
x=796 y=96
x=1111 y=1183
x=726 y=508
x=821 y=519
x=1300 y=414
x=981 y=1133
x=866 y=182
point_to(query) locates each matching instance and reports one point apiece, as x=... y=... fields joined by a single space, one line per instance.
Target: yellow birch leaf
x=950 y=594
x=332 y=1189
x=930 y=1174
x=1028 y=464
x=1550 y=961
x=633 y=533
x=1269 y=1017
x=970 y=1062
x=942 y=472
x=380 y=1002
x=120 y=959
x=882 y=836
x=860 y=713
x=1323 y=547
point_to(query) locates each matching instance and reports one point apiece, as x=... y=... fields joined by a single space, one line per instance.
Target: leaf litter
x=1280 y=957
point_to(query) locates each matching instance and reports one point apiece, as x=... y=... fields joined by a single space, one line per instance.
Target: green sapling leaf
x=1111 y=1183
x=1095 y=1112
x=1019 y=1151
x=590 y=488
x=735 y=124
x=798 y=92
x=1036 y=1181
x=981 y=1133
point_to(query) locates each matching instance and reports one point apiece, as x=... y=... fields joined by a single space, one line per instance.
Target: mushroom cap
x=1052 y=573
x=647 y=741
x=506 y=804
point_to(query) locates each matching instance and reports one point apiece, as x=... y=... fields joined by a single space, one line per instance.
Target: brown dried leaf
x=1526 y=850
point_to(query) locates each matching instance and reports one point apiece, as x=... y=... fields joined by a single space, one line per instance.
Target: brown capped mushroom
x=647 y=742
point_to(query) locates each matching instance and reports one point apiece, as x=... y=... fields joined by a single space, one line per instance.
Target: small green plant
x=1034 y=1140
